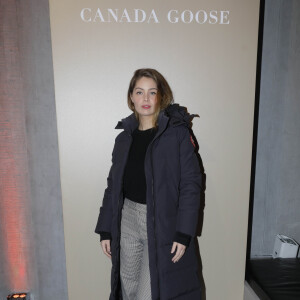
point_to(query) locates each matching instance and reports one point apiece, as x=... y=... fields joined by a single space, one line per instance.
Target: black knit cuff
x=182 y=238
x=105 y=235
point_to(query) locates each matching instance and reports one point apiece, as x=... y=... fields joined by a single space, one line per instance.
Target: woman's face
x=144 y=96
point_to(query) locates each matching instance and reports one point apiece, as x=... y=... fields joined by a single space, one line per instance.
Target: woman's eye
x=153 y=93
x=139 y=93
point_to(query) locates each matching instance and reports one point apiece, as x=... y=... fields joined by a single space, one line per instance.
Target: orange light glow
x=15 y=296
x=15 y=214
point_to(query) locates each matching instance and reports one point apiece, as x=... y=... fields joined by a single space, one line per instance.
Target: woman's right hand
x=105 y=244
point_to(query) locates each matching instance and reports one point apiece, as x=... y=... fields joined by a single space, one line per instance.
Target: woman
x=148 y=218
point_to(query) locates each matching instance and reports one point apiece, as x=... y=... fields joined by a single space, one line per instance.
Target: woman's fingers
x=179 y=253
x=108 y=247
x=173 y=247
x=105 y=244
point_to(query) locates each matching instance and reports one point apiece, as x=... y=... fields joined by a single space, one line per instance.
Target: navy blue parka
x=174 y=186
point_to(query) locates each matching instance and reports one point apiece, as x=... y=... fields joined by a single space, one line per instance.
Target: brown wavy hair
x=164 y=94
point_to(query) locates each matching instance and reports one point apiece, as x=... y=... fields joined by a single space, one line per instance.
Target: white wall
x=211 y=68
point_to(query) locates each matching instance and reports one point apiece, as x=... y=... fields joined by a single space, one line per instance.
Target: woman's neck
x=145 y=122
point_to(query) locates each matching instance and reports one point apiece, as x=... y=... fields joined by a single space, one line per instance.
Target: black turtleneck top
x=134 y=180
x=134 y=184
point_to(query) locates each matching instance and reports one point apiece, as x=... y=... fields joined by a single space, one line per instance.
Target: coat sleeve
x=190 y=185
x=106 y=212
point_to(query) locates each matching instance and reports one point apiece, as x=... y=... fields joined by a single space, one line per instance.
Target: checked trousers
x=134 y=259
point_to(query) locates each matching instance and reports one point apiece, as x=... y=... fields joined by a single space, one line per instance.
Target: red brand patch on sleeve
x=192 y=141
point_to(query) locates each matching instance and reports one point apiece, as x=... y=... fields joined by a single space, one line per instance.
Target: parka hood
x=179 y=115
x=176 y=114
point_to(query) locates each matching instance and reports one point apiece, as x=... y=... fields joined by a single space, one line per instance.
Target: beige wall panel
x=211 y=68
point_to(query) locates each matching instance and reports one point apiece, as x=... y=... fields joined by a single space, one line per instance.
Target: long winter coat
x=174 y=184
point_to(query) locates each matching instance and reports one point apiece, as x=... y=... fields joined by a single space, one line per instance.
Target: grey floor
x=249 y=294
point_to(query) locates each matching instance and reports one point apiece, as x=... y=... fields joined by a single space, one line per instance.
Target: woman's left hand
x=179 y=253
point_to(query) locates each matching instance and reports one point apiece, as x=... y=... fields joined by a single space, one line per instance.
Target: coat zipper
x=153 y=201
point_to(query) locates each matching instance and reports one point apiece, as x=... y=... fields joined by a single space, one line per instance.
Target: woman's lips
x=146 y=106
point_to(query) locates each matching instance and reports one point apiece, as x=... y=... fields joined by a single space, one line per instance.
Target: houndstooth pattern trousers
x=134 y=259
